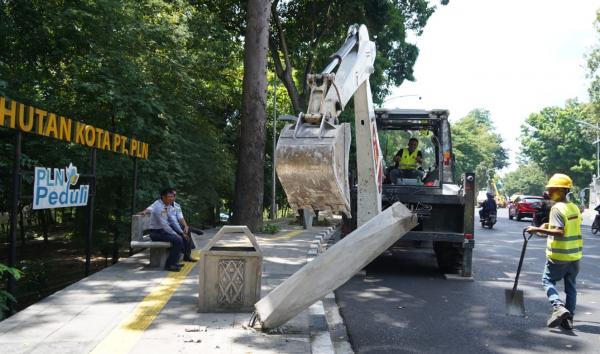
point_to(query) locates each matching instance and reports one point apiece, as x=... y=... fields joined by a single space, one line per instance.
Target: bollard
x=230 y=276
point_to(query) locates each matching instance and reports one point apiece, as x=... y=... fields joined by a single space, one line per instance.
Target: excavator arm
x=312 y=155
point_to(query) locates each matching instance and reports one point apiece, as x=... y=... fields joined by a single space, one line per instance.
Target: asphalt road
x=404 y=305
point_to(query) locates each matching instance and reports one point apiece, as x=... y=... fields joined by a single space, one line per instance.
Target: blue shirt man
x=176 y=221
x=162 y=217
x=162 y=225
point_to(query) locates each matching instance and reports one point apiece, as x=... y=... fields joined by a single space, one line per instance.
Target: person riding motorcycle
x=489 y=205
x=542 y=213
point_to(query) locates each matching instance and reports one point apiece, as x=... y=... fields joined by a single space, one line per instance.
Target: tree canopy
x=557 y=143
x=166 y=72
x=477 y=146
x=526 y=179
x=305 y=33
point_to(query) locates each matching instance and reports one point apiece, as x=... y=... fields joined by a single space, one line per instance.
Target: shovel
x=514 y=298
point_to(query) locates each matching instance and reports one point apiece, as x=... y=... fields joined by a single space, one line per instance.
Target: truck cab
x=445 y=208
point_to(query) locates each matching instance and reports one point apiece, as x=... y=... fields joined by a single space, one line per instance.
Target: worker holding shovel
x=563 y=251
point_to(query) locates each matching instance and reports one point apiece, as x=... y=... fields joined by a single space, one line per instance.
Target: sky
x=510 y=57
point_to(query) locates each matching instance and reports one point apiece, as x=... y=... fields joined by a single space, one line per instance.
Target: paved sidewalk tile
x=79 y=317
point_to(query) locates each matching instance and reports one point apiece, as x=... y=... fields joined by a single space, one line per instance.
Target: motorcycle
x=489 y=220
x=596 y=223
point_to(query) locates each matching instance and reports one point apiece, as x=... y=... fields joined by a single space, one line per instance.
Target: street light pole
x=597 y=142
x=273 y=204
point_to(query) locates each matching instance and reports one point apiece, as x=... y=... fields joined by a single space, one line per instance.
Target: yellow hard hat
x=558 y=180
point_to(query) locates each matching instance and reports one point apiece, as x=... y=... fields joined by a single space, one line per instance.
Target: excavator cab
x=394 y=143
x=432 y=131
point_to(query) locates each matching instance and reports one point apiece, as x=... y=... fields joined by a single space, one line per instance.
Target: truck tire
x=449 y=258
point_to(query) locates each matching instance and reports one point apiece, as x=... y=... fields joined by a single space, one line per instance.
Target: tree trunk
x=248 y=197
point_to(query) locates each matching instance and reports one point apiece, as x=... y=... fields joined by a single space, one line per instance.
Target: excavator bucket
x=312 y=165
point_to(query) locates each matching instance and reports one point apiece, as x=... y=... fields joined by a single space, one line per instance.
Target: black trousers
x=176 y=245
x=187 y=246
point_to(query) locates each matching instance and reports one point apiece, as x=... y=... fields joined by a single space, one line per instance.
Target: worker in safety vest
x=563 y=251
x=407 y=160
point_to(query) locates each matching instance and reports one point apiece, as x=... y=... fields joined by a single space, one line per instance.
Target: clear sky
x=511 y=57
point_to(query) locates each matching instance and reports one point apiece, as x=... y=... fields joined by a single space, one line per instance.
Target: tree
x=477 y=147
x=593 y=66
x=554 y=141
x=305 y=33
x=165 y=72
x=249 y=185
x=526 y=179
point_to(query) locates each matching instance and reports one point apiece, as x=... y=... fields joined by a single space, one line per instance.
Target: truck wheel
x=449 y=258
x=519 y=217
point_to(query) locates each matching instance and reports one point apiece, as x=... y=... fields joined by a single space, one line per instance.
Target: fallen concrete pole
x=334 y=267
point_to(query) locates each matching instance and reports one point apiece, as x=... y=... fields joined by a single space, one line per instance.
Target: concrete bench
x=159 y=251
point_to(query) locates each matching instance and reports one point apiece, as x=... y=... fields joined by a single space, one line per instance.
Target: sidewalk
x=129 y=308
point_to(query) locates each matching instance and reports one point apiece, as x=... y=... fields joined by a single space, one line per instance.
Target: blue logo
x=57 y=190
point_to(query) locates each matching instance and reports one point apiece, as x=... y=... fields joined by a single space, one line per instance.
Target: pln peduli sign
x=55 y=188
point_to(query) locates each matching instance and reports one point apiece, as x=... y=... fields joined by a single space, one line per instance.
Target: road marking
x=127 y=333
x=286 y=236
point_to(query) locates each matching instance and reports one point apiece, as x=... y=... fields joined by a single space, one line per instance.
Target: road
x=403 y=304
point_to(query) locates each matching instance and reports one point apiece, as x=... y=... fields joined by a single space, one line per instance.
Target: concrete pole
x=597 y=153
x=273 y=192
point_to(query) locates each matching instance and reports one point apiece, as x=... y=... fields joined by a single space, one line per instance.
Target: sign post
x=14 y=202
x=88 y=240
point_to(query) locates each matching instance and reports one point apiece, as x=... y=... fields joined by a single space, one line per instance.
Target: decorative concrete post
x=230 y=277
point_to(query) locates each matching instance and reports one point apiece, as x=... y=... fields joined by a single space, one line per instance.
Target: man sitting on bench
x=182 y=228
x=161 y=227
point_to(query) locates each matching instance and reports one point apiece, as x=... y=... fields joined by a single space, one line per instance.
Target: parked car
x=524 y=206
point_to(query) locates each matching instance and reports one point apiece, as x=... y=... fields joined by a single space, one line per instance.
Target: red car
x=524 y=206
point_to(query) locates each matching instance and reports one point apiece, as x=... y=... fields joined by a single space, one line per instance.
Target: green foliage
x=5 y=297
x=593 y=66
x=554 y=141
x=477 y=147
x=35 y=277
x=165 y=72
x=526 y=179
x=305 y=33
x=268 y=228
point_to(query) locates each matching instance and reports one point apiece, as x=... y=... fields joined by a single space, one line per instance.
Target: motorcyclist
x=489 y=205
x=543 y=213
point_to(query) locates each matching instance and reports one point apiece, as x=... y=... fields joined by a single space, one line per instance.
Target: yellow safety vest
x=408 y=161
x=569 y=247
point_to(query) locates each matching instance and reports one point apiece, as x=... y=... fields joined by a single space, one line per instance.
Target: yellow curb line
x=124 y=337
x=286 y=236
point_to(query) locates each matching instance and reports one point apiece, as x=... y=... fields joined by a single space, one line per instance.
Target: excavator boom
x=312 y=155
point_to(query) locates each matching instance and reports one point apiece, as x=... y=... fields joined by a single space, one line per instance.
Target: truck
x=445 y=208
x=312 y=159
